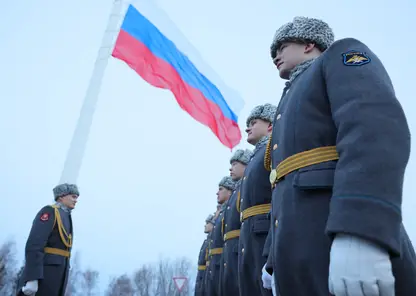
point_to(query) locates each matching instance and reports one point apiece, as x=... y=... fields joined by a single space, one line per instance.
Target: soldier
x=344 y=144
x=229 y=262
x=48 y=246
x=208 y=272
x=255 y=203
x=225 y=189
x=202 y=259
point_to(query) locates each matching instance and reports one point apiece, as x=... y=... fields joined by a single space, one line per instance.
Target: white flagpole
x=80 y=137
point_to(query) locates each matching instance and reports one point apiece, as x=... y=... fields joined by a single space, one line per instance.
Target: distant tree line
x=147 y=280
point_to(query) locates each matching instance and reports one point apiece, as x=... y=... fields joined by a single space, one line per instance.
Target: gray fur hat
x=242 y=156
x=265 y=112
x=227 y=183
x=65 y=189
x=305 y=29
x=210 y=219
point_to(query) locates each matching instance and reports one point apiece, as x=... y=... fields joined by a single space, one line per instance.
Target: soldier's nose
x=275 y=61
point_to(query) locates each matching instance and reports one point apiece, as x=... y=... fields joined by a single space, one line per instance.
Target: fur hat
x=65 y=189
x=242 y=156
x=227 y=183
x=305 y=29
x=210 y=219
x=265 y=112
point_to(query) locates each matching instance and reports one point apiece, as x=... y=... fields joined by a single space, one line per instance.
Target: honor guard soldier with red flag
x=229 y=263
x=343 y=146
x=203 y=256
x=225 y=189
x=255 y=203
x=49 y=245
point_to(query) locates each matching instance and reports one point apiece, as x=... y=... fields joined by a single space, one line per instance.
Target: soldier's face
x=208 y=227
x=69 y=200
x=289 y=55
x=257 y=129
x=237 y=170
x=223 y=195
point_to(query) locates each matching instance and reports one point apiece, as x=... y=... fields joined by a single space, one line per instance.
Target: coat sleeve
x=373 y=143
x=41 y=229
x=266 y=249
x=202 y=254
x=268 y=242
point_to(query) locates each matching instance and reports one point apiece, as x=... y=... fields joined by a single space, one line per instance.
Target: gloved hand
x=359 y=267
x=30 y=288
x=266 y=278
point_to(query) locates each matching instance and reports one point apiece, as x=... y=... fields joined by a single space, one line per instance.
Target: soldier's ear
x=309 y=47
x=270 y=127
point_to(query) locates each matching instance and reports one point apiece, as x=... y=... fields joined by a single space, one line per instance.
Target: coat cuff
x=367 y=217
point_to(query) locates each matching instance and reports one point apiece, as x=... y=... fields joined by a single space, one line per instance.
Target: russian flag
x=153 y=47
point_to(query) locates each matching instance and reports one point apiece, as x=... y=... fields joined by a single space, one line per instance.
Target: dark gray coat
x=229 y=262
x=217 y=241
x=352 y=107
x=202 y=260
x=255 y=190
x=50 y=270
x=207 y=278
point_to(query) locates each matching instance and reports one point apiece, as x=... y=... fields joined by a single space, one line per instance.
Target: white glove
x=30 y=288
x=359 y=267
x=266 y=278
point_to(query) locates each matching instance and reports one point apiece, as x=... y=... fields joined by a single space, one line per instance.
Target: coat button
x=225 y=264
x=242 y=250
x=278 y=116
x=274 y=146
x=276 y=223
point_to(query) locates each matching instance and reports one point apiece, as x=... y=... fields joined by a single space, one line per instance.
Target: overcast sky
x=150 y=172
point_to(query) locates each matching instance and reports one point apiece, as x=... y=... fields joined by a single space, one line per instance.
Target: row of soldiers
x=237 y=232
x=315 y=208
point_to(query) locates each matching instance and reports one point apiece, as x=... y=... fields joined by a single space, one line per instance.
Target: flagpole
x=79 y=140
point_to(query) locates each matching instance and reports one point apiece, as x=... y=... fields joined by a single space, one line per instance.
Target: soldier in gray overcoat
x=208 y=272
x=225 y=188
x=48 y=247
x=342 y=146
x=255 y=203
x=231 y=229
x=202 y=258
